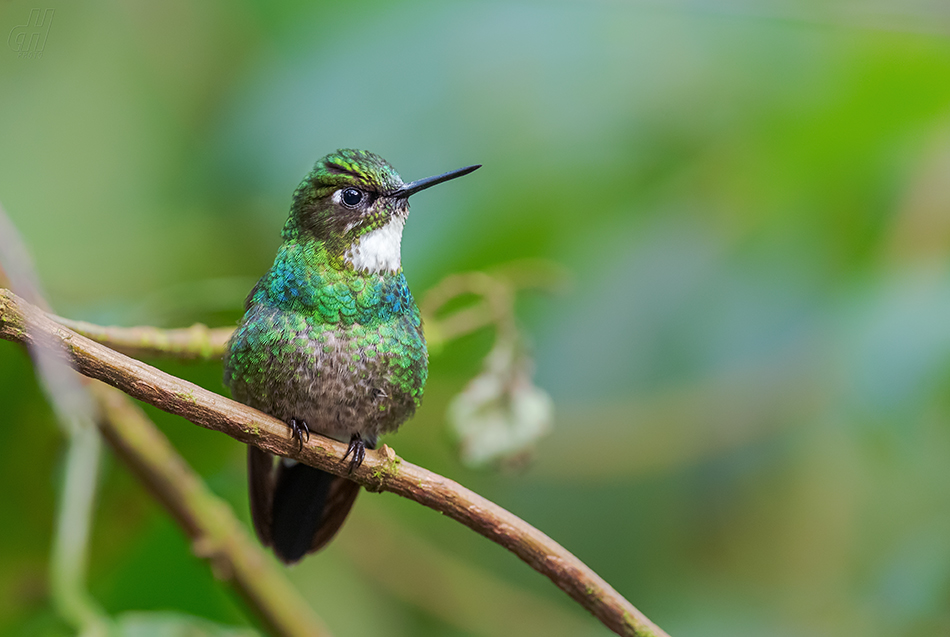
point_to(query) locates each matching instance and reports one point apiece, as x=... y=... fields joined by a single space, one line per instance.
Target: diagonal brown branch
x=382 y=470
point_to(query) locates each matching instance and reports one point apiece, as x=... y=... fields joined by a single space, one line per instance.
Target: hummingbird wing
x=340 y=500
x=260 y=482
x=296 y=508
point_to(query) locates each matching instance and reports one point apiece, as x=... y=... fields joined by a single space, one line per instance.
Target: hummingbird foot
x=299 y=429
x=358 y=449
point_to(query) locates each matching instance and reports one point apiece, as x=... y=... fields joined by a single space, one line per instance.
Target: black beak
x=421 y=184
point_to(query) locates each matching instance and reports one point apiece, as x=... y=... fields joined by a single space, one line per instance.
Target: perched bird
x=331 y=342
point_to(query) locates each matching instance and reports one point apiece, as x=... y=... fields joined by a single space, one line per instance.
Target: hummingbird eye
x=351 y=197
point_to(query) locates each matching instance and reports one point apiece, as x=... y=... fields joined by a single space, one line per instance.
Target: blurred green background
x=750 y=371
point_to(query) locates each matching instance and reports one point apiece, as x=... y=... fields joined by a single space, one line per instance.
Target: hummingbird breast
x=341 y=351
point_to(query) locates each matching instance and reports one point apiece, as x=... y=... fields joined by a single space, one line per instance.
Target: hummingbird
x=331 y=342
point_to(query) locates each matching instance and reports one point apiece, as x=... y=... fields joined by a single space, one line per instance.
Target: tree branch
x=381 y=471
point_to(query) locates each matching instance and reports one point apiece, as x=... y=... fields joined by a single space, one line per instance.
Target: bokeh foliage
x=750 y=372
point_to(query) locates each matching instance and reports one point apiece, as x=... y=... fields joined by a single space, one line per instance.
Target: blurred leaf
x=501 y=414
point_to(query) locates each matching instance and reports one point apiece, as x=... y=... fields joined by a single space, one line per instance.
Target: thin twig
x=75 y=508
x=381 y=471
x=497 y=287
x=195 y=342
x=496 y=307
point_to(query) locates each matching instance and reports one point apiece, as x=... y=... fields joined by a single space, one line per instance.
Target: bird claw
x=358 y=449
x=298 y=429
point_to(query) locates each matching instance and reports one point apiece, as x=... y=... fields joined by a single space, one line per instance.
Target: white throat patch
x=379 y=250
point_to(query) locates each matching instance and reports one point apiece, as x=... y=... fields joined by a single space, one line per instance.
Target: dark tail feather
x=260 y=490
x=298 y=507
x=299 y=511
x=340 y=500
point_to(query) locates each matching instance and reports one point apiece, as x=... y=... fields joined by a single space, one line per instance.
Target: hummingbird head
x=356 y=205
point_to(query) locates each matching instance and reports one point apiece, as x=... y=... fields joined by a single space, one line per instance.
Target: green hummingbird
x=331 y=342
